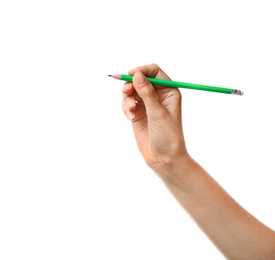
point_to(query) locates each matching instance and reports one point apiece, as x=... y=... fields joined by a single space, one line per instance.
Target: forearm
x=235 y=232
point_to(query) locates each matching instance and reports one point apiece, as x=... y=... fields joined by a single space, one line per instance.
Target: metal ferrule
x=237 y=92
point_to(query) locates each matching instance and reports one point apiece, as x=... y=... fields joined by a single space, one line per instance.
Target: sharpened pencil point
x=116 y=76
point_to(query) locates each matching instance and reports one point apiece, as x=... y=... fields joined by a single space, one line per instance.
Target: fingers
x=151 y=71
x=129 y=103
x=141 y=91
x=128 y=88
x=147 y=93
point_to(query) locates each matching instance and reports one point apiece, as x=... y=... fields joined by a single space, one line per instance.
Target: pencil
x=176 y=84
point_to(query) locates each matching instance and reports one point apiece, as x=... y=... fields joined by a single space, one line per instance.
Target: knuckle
x=154 y=65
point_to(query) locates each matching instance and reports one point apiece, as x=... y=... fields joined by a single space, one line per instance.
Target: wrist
x=172 y=170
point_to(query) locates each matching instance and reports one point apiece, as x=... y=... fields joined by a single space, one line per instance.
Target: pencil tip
x=115 y=76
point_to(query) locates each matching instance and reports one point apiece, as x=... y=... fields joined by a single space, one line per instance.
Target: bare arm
x=156 y=121
x=235 y=232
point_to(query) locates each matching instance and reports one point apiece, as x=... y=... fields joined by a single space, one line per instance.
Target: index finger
x=151 y=71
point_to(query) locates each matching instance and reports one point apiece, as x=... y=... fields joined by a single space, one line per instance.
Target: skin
x=155 y=114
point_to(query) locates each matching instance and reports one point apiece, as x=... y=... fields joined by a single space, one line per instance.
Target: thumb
x=148 y=94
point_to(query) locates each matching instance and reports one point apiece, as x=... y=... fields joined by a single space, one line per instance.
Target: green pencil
x=176 y=84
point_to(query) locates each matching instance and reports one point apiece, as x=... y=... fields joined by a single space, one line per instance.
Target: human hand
x=155 y=113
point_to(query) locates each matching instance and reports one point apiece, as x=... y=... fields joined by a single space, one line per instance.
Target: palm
x=151 y=134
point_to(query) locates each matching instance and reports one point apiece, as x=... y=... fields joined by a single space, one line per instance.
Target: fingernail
x=130 y=115
x=140 y=78
x=130 y=102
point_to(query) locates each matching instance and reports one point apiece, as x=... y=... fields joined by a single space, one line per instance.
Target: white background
x=72 y=182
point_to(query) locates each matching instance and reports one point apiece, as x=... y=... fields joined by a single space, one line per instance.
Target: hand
x=156 y=121
x=155 y=113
